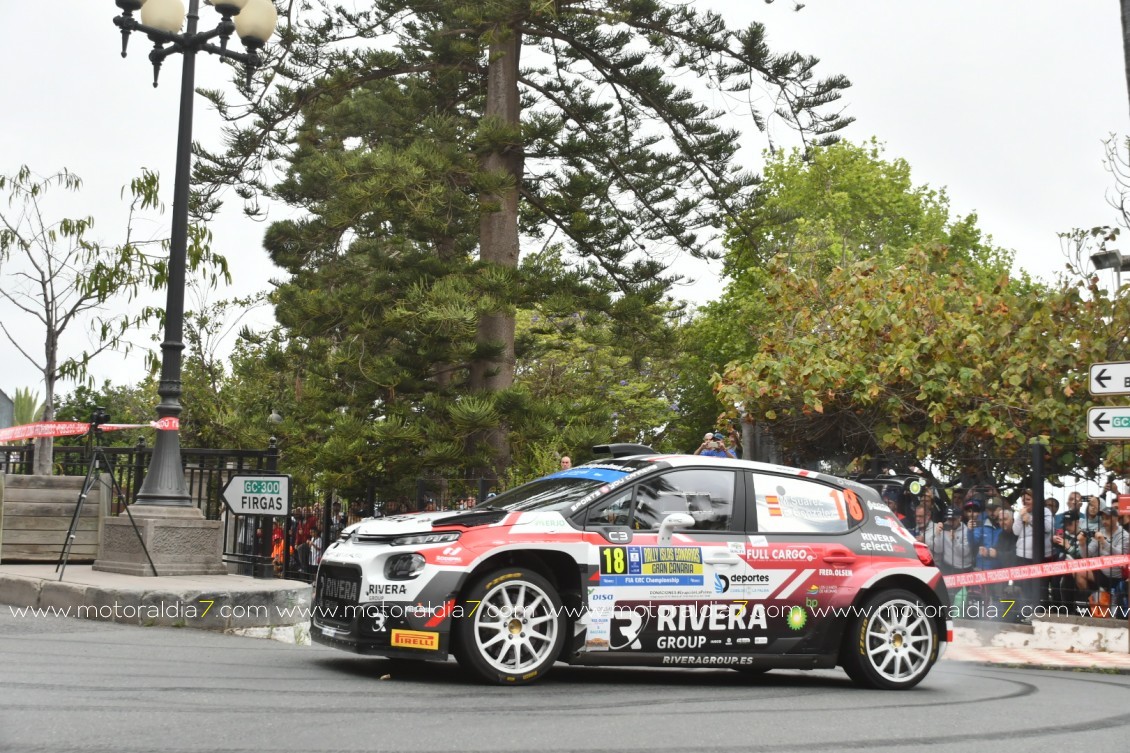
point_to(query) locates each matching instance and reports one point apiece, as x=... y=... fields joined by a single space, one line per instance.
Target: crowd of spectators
x=979 y=530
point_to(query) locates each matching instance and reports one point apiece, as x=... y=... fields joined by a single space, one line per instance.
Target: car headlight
x=418 y=539
x=404 y=566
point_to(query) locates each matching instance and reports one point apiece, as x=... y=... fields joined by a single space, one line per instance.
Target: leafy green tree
x=923 y=362
x=831 y=206
x=458 y=127
x=815 y=211
x=58 y=275
x=216 y=411
x=589 y=383
x=126 y=404
x=834 y=205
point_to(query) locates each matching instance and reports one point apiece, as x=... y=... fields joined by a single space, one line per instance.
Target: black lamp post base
x=179 y=541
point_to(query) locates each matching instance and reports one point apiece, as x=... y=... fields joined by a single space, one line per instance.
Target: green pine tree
x=458 y=129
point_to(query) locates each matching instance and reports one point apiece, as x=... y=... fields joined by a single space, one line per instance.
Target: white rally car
x=662 y=560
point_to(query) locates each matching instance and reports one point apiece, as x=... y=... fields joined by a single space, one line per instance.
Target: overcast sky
x=1004 y=104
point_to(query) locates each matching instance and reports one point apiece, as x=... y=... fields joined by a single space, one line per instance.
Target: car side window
x=615 y=510
x=796 y=505
x=706 y=494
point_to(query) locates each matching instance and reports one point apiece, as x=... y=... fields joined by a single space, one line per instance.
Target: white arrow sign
x=258 y=495
x=1109 y=423
x=1110 y=378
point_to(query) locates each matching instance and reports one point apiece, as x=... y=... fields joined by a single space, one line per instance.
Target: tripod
x=98 y=460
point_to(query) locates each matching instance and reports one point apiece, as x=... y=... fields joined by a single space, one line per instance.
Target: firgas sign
x=258 y=495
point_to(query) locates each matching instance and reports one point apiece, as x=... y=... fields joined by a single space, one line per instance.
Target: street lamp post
x=1115 y=260
x=170 y=521
x=161 y=21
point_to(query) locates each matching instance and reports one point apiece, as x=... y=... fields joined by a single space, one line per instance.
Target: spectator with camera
x=1067 y=544
x=714 y=445
x=1090 y=520
x=1110 y=491
x=949 y=541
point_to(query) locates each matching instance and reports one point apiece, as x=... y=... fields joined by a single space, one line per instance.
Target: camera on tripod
x=98 y=417
x=99 y=471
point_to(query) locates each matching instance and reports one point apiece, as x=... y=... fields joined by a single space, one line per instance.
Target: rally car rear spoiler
x=622 y=449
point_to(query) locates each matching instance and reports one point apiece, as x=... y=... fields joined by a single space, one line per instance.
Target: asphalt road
x=72 y=685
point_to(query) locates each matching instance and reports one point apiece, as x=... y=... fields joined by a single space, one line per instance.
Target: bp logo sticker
x=797 y=618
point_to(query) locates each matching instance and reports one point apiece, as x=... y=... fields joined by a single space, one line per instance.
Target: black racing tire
x=511 y=627
x=891 y=643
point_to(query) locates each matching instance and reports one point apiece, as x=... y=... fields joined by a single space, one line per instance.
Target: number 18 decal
x=613 y=560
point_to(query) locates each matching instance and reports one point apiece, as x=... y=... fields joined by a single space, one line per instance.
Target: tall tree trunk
x=442 y=371
x=1125 y=5
x=498 y=230
x=45 y=446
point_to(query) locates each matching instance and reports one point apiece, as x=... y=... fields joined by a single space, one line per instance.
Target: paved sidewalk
x=1040 y=658
x=268 y=607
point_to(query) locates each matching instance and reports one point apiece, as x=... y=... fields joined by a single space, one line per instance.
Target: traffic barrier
x=1042 y=570
x=43 y=429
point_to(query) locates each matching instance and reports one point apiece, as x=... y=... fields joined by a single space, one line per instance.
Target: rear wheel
x=512 y=627
x=892 y=642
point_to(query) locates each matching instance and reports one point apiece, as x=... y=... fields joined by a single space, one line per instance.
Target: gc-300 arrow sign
x=1111 y=424
x=258 y=495
x=1110 y=378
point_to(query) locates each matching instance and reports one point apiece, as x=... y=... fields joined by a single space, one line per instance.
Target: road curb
x=1043 y=666
x=225 y=603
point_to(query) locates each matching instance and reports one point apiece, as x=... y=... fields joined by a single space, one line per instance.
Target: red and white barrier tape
x=1042 y=570
x=75 y=428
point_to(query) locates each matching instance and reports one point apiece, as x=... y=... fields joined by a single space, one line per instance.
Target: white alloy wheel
x=893 y=642
x=514 y=633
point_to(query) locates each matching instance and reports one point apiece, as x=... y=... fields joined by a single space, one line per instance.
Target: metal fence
x=206 y=472
x=261 y=546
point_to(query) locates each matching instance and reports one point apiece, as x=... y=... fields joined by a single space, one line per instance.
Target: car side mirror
x=671 y=523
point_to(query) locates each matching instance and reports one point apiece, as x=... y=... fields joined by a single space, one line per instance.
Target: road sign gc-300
x=1109 y=423
x=258 y=495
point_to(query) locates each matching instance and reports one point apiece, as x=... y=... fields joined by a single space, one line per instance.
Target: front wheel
x=512 y=627
x=891 y=643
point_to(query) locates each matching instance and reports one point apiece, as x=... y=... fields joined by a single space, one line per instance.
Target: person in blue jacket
x=984 y=531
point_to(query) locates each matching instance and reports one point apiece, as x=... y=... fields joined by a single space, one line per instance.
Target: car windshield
x=543 y=494
x=563 y=490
